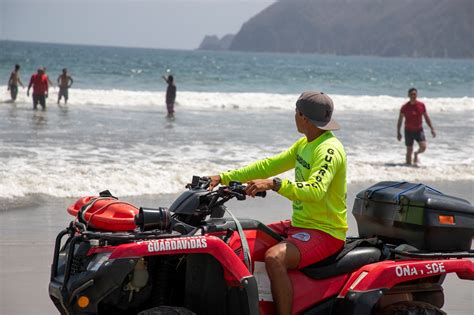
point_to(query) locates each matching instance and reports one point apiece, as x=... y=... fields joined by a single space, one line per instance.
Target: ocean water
x=232 y=108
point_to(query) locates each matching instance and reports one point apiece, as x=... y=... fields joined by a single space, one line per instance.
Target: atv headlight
x=98 y=261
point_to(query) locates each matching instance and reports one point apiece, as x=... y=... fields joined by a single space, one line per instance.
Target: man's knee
x=422 y=147
x=281 y=257
x=275 y=258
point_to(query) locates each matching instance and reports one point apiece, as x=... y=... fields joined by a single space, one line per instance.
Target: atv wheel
x=411 y=308
x=167 y=310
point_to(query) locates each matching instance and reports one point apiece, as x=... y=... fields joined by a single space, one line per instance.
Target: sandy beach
x=27 y=234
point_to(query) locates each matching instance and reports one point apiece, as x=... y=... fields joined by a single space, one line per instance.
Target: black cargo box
x=415 y=214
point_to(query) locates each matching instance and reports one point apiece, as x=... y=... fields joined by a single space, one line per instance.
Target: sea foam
x=254 y=101
x=144 y=169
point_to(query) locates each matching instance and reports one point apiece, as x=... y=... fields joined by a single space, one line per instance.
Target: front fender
x=214 y=246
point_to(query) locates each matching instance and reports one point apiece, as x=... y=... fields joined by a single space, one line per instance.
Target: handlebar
x=238 y=187
x=194 y=205
x=234 y=188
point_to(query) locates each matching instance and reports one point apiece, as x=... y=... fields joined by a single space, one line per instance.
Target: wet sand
x=28 y=230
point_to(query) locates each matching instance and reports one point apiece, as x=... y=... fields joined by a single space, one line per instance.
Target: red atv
x=190 y=259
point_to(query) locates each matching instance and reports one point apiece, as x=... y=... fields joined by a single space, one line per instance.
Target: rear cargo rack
x=439 y=255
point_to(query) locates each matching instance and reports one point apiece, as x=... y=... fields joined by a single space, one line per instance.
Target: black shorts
x=410 y=136
x=39 y=99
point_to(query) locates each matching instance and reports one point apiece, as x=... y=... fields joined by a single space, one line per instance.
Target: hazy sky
x=179 y=24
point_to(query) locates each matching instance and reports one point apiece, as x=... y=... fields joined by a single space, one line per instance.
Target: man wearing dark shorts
x=39 y=81
x=413 y=111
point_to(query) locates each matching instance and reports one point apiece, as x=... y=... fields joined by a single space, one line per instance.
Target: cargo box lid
x=414 y=195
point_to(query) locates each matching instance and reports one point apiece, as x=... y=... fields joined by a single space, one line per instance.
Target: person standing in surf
x=413 y=111
x=170 y=95
x=65 y=81
x=39 y=81
x=13 y=82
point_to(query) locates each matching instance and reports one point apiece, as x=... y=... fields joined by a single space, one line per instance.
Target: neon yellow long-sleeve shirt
x=319 y=190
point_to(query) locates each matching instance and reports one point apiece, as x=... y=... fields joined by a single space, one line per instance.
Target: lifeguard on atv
x=190 y=259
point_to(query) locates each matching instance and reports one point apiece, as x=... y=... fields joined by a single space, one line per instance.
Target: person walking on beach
x=170 y=95
x=39 y=81
x=413 y=111
x=318 y=225
x=65 y=81
x=13 y=82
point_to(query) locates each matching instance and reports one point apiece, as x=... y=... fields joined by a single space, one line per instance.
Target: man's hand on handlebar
x=258 y=185
x=215 y=180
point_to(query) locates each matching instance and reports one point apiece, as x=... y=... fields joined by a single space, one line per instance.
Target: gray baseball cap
x=318 y=108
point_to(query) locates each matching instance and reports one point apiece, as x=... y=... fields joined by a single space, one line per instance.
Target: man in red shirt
x=39 y=81
x=414 y=111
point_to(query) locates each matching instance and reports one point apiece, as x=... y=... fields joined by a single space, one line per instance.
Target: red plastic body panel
x=106 y=214
x=307 y=291
x=388 y=273
x=234 y=268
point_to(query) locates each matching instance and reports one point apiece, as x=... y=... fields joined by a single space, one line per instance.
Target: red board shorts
x=313 y=245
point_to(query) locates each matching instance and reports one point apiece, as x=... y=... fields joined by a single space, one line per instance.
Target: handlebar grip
x=262 y=194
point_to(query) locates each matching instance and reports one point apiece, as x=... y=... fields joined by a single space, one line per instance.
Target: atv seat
x=343 y=262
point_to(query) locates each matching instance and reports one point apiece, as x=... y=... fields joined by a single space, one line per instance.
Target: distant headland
x=402 y=28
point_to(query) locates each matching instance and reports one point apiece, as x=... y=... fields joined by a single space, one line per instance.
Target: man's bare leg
x=278 y=259
x=421 y=149
x=409 y=153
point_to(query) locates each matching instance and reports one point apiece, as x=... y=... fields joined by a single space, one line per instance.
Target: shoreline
x=459 y=188
x=27 y=236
